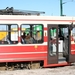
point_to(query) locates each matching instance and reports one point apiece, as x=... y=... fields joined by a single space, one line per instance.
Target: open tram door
x=63 y=50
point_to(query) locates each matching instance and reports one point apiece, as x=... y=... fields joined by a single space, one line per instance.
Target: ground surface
x=67 y=70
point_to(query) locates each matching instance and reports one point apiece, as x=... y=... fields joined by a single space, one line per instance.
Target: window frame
x=31 y=31
x=5 y=42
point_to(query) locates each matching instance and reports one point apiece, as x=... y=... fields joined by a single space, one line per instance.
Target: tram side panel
x=22 y=52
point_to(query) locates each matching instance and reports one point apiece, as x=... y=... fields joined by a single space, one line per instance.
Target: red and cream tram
x=49 y=40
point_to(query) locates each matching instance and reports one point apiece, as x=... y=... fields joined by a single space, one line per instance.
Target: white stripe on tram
x=72 y=50
x=19 y=59
x=19 y=44
x=72 y=42
x=23 y=53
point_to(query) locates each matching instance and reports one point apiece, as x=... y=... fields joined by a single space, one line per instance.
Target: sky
x=50 y=7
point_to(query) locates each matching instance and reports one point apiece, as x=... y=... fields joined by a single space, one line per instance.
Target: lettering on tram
x=8 y=34
x=31 y=34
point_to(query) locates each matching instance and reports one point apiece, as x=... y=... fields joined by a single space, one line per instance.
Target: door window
x=52 y=44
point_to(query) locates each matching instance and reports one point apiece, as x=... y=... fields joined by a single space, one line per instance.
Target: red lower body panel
x=25 y=53
x=13 y=49
x=72 y=48
x=22 y=53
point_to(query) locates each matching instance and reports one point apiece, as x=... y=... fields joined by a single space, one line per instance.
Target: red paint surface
x=10 y=49
x=36 y=55
x=22 y=57
x=72 y=48
x=45 y=38
x=45 y=28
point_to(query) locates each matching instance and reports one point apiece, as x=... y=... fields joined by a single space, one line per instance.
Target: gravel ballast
x=67 y=70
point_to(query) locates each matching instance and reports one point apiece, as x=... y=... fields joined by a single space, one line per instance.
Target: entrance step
x=61 y=59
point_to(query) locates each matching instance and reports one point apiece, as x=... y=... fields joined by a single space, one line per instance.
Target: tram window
x=31 y=33
x=65 y=32
x=52 y=45
x=8 y=34
x=14 y=33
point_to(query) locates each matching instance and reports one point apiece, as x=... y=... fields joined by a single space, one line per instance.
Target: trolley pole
x=61 y=8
